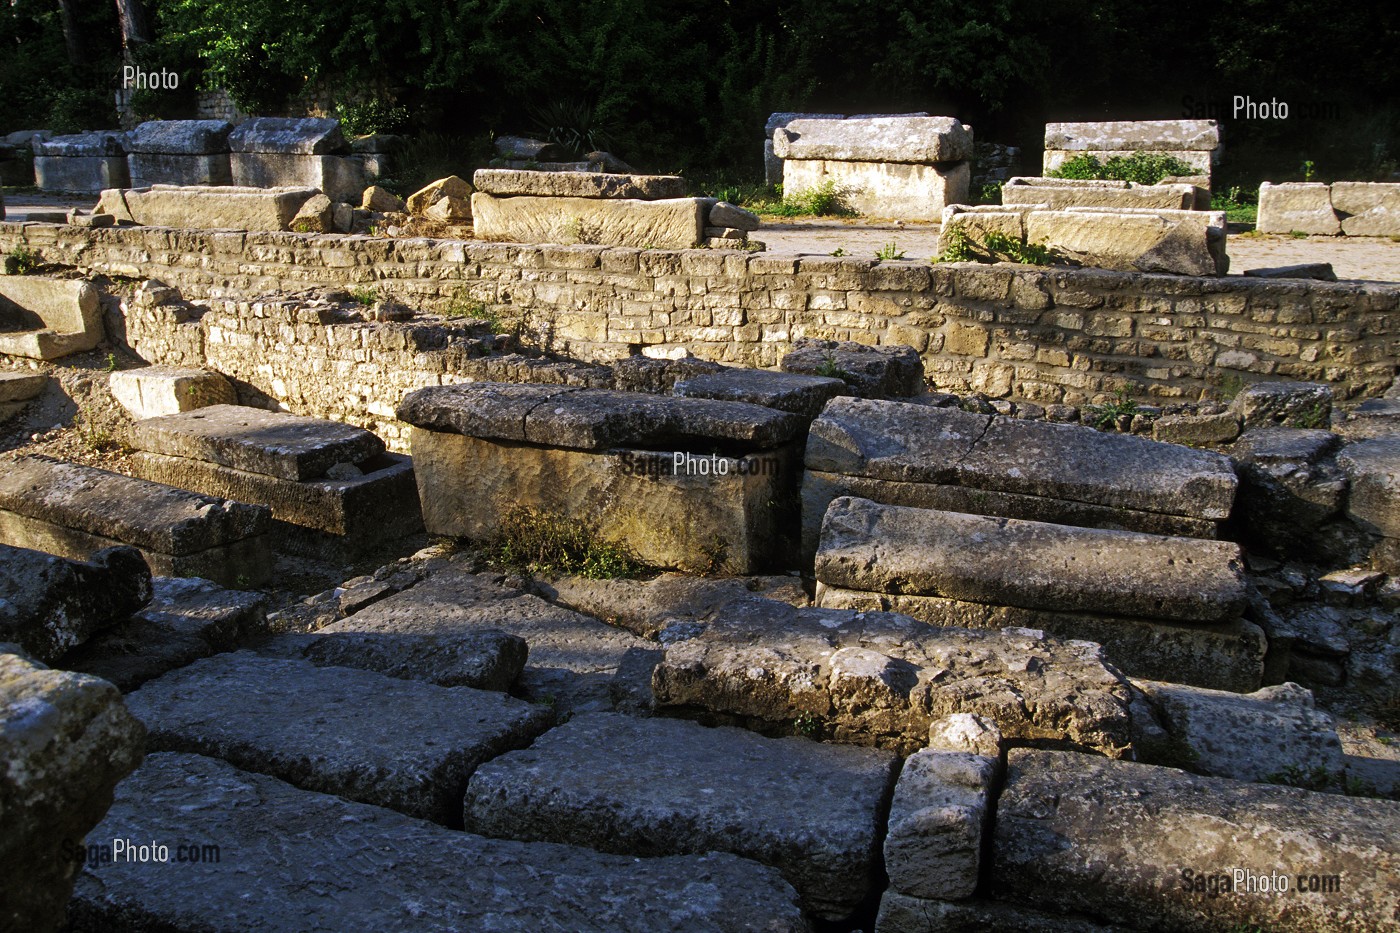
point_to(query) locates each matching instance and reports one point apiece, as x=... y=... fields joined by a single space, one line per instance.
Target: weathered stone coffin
x=272 y=152
x=1060 y=193
x=1305 y=207
x=1195 y=142
x=1180 y=242
x=684 y=483
x=179 y=152
x=511 y=182
x=884 y=189
x=203 y=207
x=82 y=164
x=332 y=480
x=45 y=319
x=914 y=455
x=75 y=511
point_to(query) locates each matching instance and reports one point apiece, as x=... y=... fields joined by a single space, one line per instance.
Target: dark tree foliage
x=686 y=84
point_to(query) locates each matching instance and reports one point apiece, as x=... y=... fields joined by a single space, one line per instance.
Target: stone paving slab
x=1116 y=838
x=799 y=394
x=1033 y=565
x=271 y=443
x=485 y=660
x=404 y=744
x=665 y=787
x=873 y=678
x=292 y=861
x=576 y=663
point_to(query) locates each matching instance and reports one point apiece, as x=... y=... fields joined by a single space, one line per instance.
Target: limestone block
x=1291 y=404
x=1373 y=466
x=316 y=215
x=66 y=741
x=975 y=224
x=801 y=395
x=82 y=164
x=1181 y=243
x=208 y=207
x=1134 y=135
x=1318 y=271
x=772 y=165
x=339 y=177
x=724 y=214
x=381 y=200
x=674 y=223
x=457 y=609
x=282 y=871
x=1197 y=430
x=167 y=390
x=903 y=191
x=1252 y=737
x=1367 y=208
x=291 y=136
x=1288 y=485
x=179 y=152
x=934 y=845
x=486 y=660
x=900 y=913
x=1220 y=656
x=871 y=372
x=875 y=678
x=46 y=318
x=1060 y=196
x=1116 y=839
x=508 y=182
x=1202 y=161
x=1034 y=565
x=912 y=140
x=74 y=511
x=254 y=440
x=21 y=387
x=414 y=754
x=1305 y=207
x=811 y=810
x=50 y=605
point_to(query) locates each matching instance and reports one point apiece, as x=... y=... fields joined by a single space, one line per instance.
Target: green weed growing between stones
x=539 y=542
x=1144 y=168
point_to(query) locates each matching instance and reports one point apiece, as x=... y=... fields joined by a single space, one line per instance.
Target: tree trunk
x=70 y=32
x=136 y=26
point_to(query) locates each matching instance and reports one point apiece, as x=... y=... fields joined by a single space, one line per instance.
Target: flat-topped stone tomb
x=682 y=482
x=179 y=152
x=74 y=511
x=310 y=152
x=83 y=163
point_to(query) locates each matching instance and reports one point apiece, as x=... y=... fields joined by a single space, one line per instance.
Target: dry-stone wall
x=1044 y=335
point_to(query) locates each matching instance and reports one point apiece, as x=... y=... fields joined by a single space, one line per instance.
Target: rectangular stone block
x=179 y=152
x=1367 y=208
x=295 y=861
x=657 y=504
x=933 y=847
x=900 y=191
x=1161 y=850
x=153 y=391
x=1033 y=565
x=975 y=224
x=801 y=395
x=413 y=753
x=811 y=810
x=271 y=443
x=46 y=319
x=881 y=679
x=1175 y=242
x=147 y=169
x=1060 y=196
x=207 y=208
x=73 y=510
x=360 y=513
x=289 y=136
x=1302 y=206
x=509 y=182
x=1134 y=135
x=674 y=223
x=1222 y=656
x=1373 y=467
x=900 y=913
x=910 y=140
x=339 y=177
x=21 y=387
x=81 y=164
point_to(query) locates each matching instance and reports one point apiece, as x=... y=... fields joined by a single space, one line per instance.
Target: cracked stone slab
x=293 y=861
x=799 y=394
x=665 y=786
x=937 y=823
x=576 y=663
x=1033 y=565
x=485 y=660
x=271 y=443
x=874 y=678
x=403 y=744
x=1116 y=839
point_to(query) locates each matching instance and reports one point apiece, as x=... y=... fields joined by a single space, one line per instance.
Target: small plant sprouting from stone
x=1314 y=417
x=1309 y=170
x=806 y=724
x=1144 y=168
x=365 y=295
x=111 y=365
x=838 y=252
x=1297 y=234
x=824 y=200
x=547 y=543
x=829 y=368
x=1230 y=386
x=1106 y=416
x=958 y=246
x=889 y=252
x=21 y=261
x=464 y=306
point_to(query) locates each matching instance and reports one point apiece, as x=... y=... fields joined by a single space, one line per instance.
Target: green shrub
x=888 y=252
x=532 y=541
x=21 y=261
x=1145 y=168
x=825 y=200
x=371 y=117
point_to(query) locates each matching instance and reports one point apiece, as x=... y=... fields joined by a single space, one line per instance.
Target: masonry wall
x=1044 y=335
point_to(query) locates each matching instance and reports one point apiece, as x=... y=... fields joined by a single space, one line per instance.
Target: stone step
x=1032 y=565
x=45 y=319
x=50 y=605
x=872 y=678
x=152 y=391
x=74 y=511
x=1157 y=849
x=603 y=781
x=576 y=663
x=910 y=454
x=397 y=743
x=486 y=659
x=272 y=858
